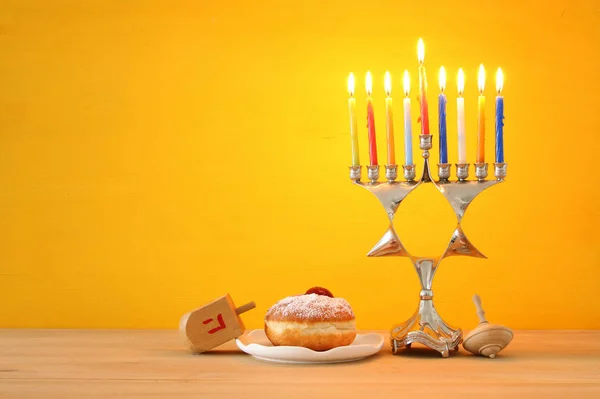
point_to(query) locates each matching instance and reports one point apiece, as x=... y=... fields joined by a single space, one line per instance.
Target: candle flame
x=421 y=51
x=369 y=83
x=406 y=83
x=481 y=78
x=351 y=84
x=499 y=81
x=388 y=83
x=460 y=81
x=442 y=79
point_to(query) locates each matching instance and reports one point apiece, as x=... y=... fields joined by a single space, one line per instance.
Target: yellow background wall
x=154 y=156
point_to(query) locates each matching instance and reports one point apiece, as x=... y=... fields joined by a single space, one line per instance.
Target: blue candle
x=442 y=118
x=442 y=126
x=499 y=118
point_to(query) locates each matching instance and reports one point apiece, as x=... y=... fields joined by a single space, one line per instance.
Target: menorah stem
x=426 y=268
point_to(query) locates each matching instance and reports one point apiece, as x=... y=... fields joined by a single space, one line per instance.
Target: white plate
x=257 y=344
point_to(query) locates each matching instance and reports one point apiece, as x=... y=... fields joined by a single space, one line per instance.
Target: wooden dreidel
x=486 y=339
x=213 y=324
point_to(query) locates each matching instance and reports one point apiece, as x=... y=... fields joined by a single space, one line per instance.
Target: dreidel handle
x=480 y=311
x=244 y=308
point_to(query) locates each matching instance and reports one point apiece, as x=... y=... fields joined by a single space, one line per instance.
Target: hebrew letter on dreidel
x=213 y=324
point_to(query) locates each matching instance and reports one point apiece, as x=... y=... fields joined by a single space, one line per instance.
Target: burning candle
x=389 y=119
x=353 y=124
x=499 y=117
x=371 y=120
x=408 y=155
x=423 y=88
x=460 y=107
x=481 y=117
x=442 y=118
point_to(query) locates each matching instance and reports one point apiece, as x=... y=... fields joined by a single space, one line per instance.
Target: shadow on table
x=422 y=352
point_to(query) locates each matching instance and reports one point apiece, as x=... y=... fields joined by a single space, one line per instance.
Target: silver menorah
x=426 y=326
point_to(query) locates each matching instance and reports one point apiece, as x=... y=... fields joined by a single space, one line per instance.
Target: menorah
x=426 y=326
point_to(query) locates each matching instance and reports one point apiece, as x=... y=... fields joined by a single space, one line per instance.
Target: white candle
x=460 y=107
x=408 y=155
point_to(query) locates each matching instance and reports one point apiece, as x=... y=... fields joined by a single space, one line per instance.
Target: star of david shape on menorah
x=426 y=326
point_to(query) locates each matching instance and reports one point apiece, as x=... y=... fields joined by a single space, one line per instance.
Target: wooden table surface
x=146 y=363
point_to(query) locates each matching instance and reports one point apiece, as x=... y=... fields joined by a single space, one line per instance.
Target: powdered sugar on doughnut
x=310 y=307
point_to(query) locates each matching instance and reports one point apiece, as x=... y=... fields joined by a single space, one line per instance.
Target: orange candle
x=481 y=117
x=389 y=119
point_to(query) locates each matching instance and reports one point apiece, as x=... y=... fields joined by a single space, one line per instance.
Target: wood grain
x=145 y=363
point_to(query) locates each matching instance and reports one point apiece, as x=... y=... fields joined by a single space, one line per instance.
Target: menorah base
x=426 y=327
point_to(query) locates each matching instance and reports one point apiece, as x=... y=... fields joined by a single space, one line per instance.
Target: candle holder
x=500 y=170
x=355 y=172
x=373 y=173
x=462 y=171
x=425 y=143
x=426 y=326
x=409 y=172
x=391 y=172
x=481 y=171
x=444 y=171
